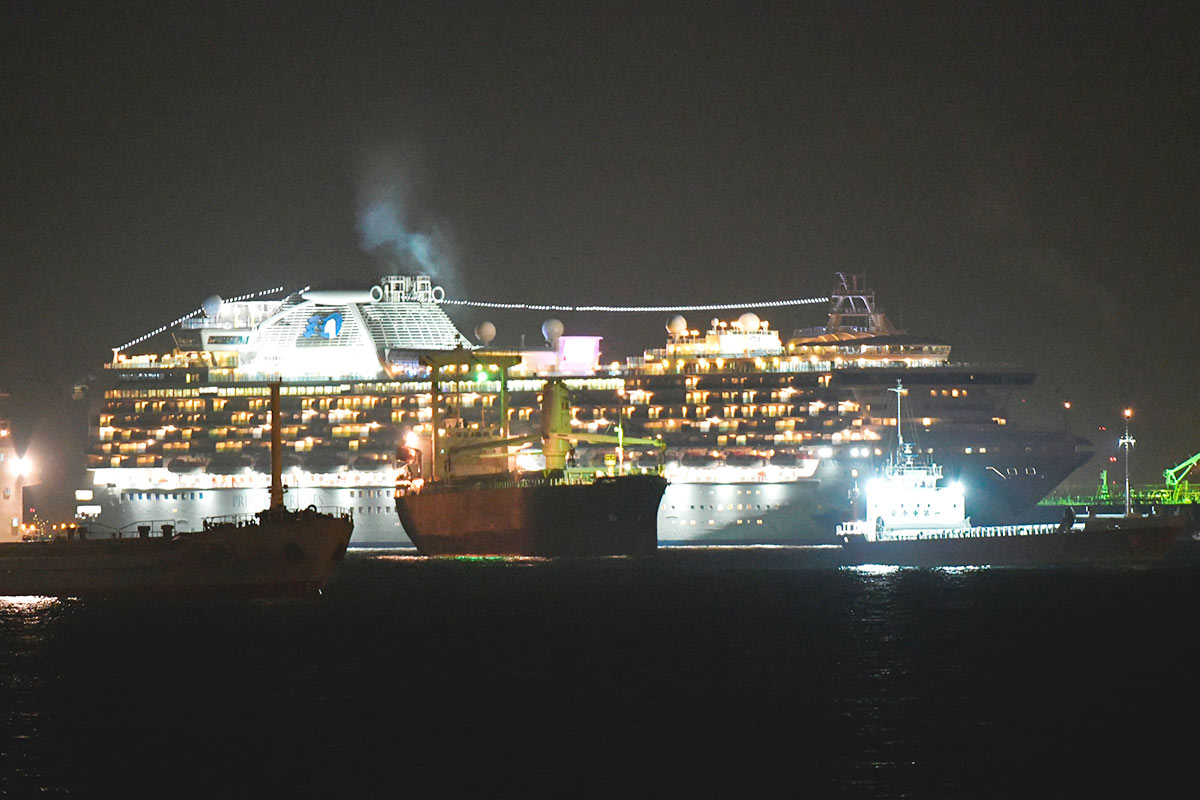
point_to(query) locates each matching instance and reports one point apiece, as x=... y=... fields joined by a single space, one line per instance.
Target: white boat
x=911 y=518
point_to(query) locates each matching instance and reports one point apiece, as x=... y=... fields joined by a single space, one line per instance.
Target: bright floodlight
x=22 y=466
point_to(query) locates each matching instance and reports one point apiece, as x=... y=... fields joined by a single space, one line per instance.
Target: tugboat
x=561 y=510
x=276 y=552
x=912 y=520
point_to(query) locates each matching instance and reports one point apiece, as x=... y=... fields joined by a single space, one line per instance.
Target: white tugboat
x=912 y=520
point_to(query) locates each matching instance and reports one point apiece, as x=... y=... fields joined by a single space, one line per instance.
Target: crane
x=1176 y=485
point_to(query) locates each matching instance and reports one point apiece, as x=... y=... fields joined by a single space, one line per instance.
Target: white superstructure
x=183 y=434
x=908 y=495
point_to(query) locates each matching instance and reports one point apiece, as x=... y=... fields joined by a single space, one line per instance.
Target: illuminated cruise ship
x=766 y=439
x=769 y=440
x=184 y=435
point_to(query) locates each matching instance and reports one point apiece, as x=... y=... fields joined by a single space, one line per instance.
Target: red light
x=1112 y=458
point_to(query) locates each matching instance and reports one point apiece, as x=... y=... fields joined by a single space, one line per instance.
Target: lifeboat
x=324 y=463
x=185 y=465
x=747 y=459
x=229 y=464
x=368 y=463
x=701 y=459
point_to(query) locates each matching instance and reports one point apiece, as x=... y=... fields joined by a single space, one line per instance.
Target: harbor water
x=744 y=672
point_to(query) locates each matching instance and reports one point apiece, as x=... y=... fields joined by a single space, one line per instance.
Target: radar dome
x=551 y=330
x=748 y=321
x=211 y=305
x=677 y=325
x=485 y=332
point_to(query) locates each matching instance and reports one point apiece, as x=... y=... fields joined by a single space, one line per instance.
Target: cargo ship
x=477 y=502
x=280 y=554
x=276 y=552
x=911 y=518
x=765 y=434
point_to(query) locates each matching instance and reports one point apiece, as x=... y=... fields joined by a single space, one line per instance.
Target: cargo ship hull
x=269 y=559
x=609 y=517
x=1133 y=541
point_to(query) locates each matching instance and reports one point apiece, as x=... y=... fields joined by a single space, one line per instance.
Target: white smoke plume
x=386 y=224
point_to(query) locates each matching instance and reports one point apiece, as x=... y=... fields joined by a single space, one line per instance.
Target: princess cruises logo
x=323 y=326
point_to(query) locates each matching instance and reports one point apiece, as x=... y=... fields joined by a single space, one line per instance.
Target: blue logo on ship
x=323 y=327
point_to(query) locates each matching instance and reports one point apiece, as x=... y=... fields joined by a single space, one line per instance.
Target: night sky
x=1018 y=181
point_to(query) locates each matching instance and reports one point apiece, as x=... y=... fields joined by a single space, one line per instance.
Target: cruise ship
x=766 y=438
x=773 y=438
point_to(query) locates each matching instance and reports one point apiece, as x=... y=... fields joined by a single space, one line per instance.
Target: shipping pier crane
x=1178 y=488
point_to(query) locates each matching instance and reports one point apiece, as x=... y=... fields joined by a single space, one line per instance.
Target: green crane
x=1176 y=485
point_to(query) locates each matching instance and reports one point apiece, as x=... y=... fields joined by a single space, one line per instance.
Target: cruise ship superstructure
x=766 y=438
x=770 y=438
x=185 y=435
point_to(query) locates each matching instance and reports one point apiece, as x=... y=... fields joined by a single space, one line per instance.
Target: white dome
x=748 y=321
x=211 y=305
x=485 y=332
x=677 y=325
x=551 y=330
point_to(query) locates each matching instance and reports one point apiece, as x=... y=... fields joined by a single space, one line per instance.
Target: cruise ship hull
x=745 y=509
x=610 y=517
x=371 y=506
x=808 y=511
x=267 y=559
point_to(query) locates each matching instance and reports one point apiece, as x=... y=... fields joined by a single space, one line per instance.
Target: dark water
x=695 y=672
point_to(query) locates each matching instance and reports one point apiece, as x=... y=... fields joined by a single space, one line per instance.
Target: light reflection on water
x=31 y=602
x=873 y=569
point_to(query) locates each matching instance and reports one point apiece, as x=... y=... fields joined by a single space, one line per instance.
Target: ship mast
x=902 y=452
x=276 y=450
